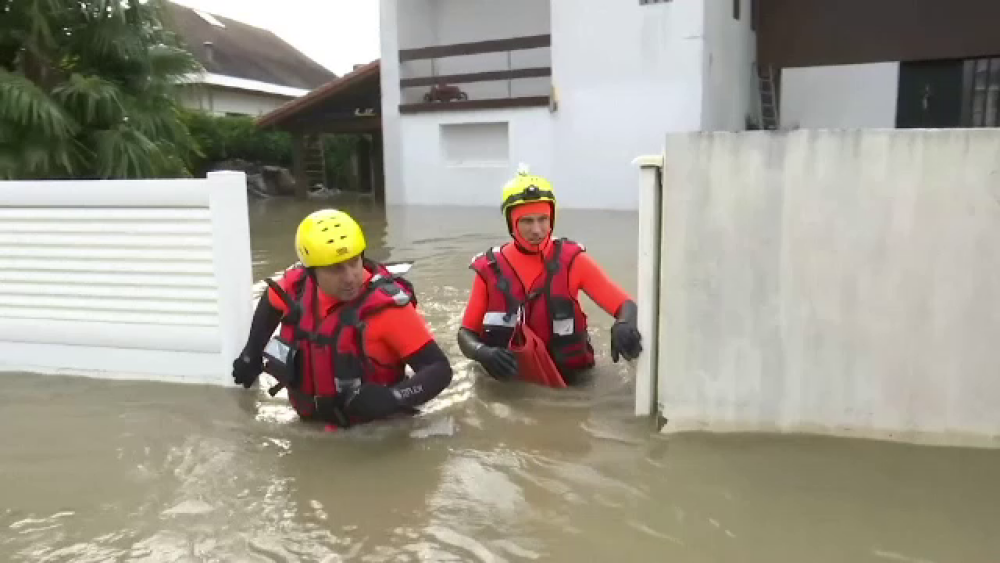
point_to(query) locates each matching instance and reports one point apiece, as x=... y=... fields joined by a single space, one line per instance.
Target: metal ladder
x=768 y=96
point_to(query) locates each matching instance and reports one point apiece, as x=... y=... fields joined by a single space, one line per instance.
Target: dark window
x=736 y=9
x=754 y=14
x=981 y=92
x=644 y=2
x=949 y=93
x=930 y=94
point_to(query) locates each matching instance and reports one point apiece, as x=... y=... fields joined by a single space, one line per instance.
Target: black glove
x=500 y=363
x=246 y=369
x=331 y=409
x=368 y=402
x=625 y=337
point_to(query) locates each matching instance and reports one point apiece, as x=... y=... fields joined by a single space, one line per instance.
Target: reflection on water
x=122 y=471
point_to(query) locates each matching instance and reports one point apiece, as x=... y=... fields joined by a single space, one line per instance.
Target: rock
x=235 y=164
x=320 y=191
x=256 y=187
x=279 y=180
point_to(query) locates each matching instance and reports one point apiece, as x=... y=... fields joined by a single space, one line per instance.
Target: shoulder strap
x=382 y=277
x=572 y=243
x=503 y=283
x=391 y=288
x=493 y=250
x=292 y=303
x=551 y=268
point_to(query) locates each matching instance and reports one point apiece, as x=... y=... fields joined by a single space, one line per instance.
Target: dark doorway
x=930 y=94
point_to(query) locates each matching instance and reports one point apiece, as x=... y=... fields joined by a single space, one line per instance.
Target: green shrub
x=226 y=137
x=337 y=151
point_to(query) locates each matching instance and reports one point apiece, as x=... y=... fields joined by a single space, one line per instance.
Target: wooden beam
x=334 y=125
x=299 y=165
x=364 y=165
x=476 y=47
x=536 y=72
x=378 y=168
x=464 y=105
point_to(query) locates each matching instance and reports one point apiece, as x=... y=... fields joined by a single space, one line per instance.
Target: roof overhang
x=325 y=94
x=245 y=84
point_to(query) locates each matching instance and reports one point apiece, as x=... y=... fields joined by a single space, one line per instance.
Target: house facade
x=248 y=70
x=884 y=64
x=575 y=90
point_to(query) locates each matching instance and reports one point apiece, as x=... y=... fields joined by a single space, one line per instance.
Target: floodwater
x=115 y=471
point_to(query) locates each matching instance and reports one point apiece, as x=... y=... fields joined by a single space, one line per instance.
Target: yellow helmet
x=527 y=188
x=326 y=237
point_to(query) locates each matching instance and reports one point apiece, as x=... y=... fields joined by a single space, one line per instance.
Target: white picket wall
x=125 y=279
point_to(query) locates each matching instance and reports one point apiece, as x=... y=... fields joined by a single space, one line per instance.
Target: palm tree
x=87 y=90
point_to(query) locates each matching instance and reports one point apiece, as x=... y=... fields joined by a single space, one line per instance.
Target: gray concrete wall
x=843 y=282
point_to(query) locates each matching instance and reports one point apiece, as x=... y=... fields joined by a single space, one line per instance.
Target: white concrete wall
x=392 y=39
x=418 y=167
x=842 y=96
x=457 y=158
x=221 y=101
x=832 y=281
x=423 y=23
x=622 y=72
x=146 y=279
x=730 y=88
x=615 y=90
x=415 y=23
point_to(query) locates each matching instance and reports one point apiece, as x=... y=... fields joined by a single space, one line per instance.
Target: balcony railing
x=442 y=94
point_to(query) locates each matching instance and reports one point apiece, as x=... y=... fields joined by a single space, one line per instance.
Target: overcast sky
x=335 y=33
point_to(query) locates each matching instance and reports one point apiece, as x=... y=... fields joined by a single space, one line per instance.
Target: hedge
x=228 y=137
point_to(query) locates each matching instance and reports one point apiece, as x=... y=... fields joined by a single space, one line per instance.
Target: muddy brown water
x=128 y=471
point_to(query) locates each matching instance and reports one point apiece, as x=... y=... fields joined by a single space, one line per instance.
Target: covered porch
x=346 y=106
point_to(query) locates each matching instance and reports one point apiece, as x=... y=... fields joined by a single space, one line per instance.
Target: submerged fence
x=839 y=282
x=145 y=279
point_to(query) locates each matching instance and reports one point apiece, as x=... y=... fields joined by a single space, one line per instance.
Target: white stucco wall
x=444 y=22
x=623 y=71
x=457 y=158
x=614 y=97
x=420 y=163
x=224 y=100
x=390 y=41
x=730 y=50
x=848 y=286
x=842 y=96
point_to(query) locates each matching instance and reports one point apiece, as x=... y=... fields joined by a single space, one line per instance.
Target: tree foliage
x=87 y=90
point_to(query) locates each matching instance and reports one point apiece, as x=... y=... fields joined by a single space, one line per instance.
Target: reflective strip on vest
x=564 y=327
x=497 y=318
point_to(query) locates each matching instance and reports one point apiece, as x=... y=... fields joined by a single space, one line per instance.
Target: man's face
x=534 y=228
x=342 y=281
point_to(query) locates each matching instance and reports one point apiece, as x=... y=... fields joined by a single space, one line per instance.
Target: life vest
x=331 y=356
x=550 y=310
